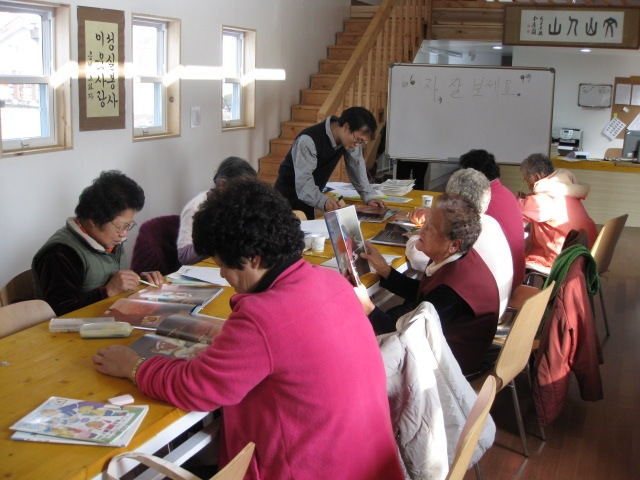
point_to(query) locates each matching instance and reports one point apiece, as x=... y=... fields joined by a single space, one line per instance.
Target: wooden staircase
x=305 y=113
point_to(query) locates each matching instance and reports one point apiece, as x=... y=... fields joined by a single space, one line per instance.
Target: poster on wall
x=101 y=69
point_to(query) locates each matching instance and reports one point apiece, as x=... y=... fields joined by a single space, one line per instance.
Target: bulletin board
x=437 y=112
x=626 y=100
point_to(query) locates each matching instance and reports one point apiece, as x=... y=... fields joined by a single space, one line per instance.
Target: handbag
x=234 y=470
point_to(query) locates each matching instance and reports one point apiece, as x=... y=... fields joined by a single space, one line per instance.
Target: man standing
x=314 y=155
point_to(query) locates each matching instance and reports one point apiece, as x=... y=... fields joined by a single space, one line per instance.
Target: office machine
x=568 y=139
x=630 y=145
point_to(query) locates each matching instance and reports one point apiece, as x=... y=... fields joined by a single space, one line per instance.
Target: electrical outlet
x=195 y=117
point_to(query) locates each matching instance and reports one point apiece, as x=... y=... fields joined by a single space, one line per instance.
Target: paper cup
x=317 y=242
x=308 y=237
x=427 y=200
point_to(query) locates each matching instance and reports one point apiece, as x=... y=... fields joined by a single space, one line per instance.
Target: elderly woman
x=457 y=282
x=296 y=365
x=85 y=261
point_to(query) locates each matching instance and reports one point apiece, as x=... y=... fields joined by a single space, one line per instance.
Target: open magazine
x=180 y=336
x=348 y=243
x=81 y=422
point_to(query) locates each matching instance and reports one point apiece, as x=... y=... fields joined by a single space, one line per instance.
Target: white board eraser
x=120 y=400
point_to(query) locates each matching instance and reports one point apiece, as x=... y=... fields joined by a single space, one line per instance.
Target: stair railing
x=394 y=35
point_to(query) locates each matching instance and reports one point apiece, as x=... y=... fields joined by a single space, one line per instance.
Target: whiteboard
x=436 y=112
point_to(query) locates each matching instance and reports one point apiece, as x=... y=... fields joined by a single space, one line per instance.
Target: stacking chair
x=514 y=355
x=22 y=315
x=472 y=429
x=155 y=247
x=234 y=470
x=300 y=214
x=602 y=252
x=18 y=289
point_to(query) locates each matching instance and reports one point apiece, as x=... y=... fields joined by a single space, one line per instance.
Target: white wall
x=38 y=192
x=572 y=68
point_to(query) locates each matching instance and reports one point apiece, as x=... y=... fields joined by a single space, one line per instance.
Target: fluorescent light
x=497 y=47
x=585 y=50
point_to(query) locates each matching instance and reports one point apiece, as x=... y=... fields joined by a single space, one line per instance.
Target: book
x=347 y=242
x=367 y=213
x=393 y=234
x=66 y=420
x=193 y=295
x=193 y=275
x=190 y=328
x=145 y=314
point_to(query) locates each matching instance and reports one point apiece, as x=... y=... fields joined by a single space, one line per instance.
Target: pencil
x=149 y=283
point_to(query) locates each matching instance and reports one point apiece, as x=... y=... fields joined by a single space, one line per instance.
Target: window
x=34 y=95
x=238 y=86
x=156 y=105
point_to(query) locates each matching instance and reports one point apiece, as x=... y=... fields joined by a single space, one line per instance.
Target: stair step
x=305 y=113
x=310 y=96
x=340 y=52
x=348 y=38
x=280 y=146
x=324 y=81
x=356 y=24
x=332 y=66
x=291 y=129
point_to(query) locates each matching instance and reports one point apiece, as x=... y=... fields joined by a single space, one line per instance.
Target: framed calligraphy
x=579 y=26
x=101 y=69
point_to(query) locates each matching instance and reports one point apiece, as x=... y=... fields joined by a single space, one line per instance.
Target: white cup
x=308 y=241
x=317 y=242
x=427 y=200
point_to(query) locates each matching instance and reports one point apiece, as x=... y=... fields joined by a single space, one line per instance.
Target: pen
x=339 y=198
x=149 y=283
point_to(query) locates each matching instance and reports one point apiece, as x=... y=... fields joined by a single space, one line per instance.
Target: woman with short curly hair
x=457 y=282
x=296 y=365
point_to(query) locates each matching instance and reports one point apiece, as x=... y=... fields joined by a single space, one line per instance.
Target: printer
x=568 y=140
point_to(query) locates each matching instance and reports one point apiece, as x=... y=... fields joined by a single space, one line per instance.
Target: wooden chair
x=472 y=429
x=22 y=315
x=155 y=247
x=234 y=470
x=602 y=252
x=514 y=355
x=18 y=289
x=300 y=214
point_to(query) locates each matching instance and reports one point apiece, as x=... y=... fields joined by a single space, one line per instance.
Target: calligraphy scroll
x=578 y=26
x=101 y=69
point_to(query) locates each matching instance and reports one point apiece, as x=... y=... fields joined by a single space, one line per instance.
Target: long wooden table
x=36 y=364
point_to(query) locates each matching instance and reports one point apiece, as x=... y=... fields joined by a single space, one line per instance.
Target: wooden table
x=36 y=364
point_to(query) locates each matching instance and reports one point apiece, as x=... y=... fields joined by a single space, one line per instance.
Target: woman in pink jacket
x=553 y=208
x=296 y=367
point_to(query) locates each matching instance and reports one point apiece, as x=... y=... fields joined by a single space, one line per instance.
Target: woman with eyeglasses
x=84 y=261
x=316 y=152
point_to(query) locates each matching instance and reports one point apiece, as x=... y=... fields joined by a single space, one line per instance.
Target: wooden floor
x=590 y=440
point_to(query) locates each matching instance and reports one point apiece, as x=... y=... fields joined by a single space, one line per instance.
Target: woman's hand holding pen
x=127 y=280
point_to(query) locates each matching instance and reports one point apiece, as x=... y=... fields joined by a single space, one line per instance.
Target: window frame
x=168 y=85
x=245 y=84
x=55 y=80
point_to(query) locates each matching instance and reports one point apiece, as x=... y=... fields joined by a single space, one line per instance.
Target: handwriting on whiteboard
x=442 y=90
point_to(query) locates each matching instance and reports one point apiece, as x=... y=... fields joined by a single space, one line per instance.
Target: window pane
x=23 y=108
x=231 y=105
x=147 y=106
x=20 y=44
x=231 y=55
x=145 y=51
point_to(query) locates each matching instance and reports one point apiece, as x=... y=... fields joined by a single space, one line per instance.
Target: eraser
x=120 y=400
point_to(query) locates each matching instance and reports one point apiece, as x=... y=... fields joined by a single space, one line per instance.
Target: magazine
x=348 y=243
x=178 y=294
x=190 y=328
x=394 y=234
x=368 y=213
x=145 y=314
x=150 y=344
x=66 y=420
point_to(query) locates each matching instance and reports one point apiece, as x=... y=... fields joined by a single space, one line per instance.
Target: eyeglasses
x=124 y=228
x=358 y=141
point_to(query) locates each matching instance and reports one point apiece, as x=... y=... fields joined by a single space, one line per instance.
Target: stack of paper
x=397 y=187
